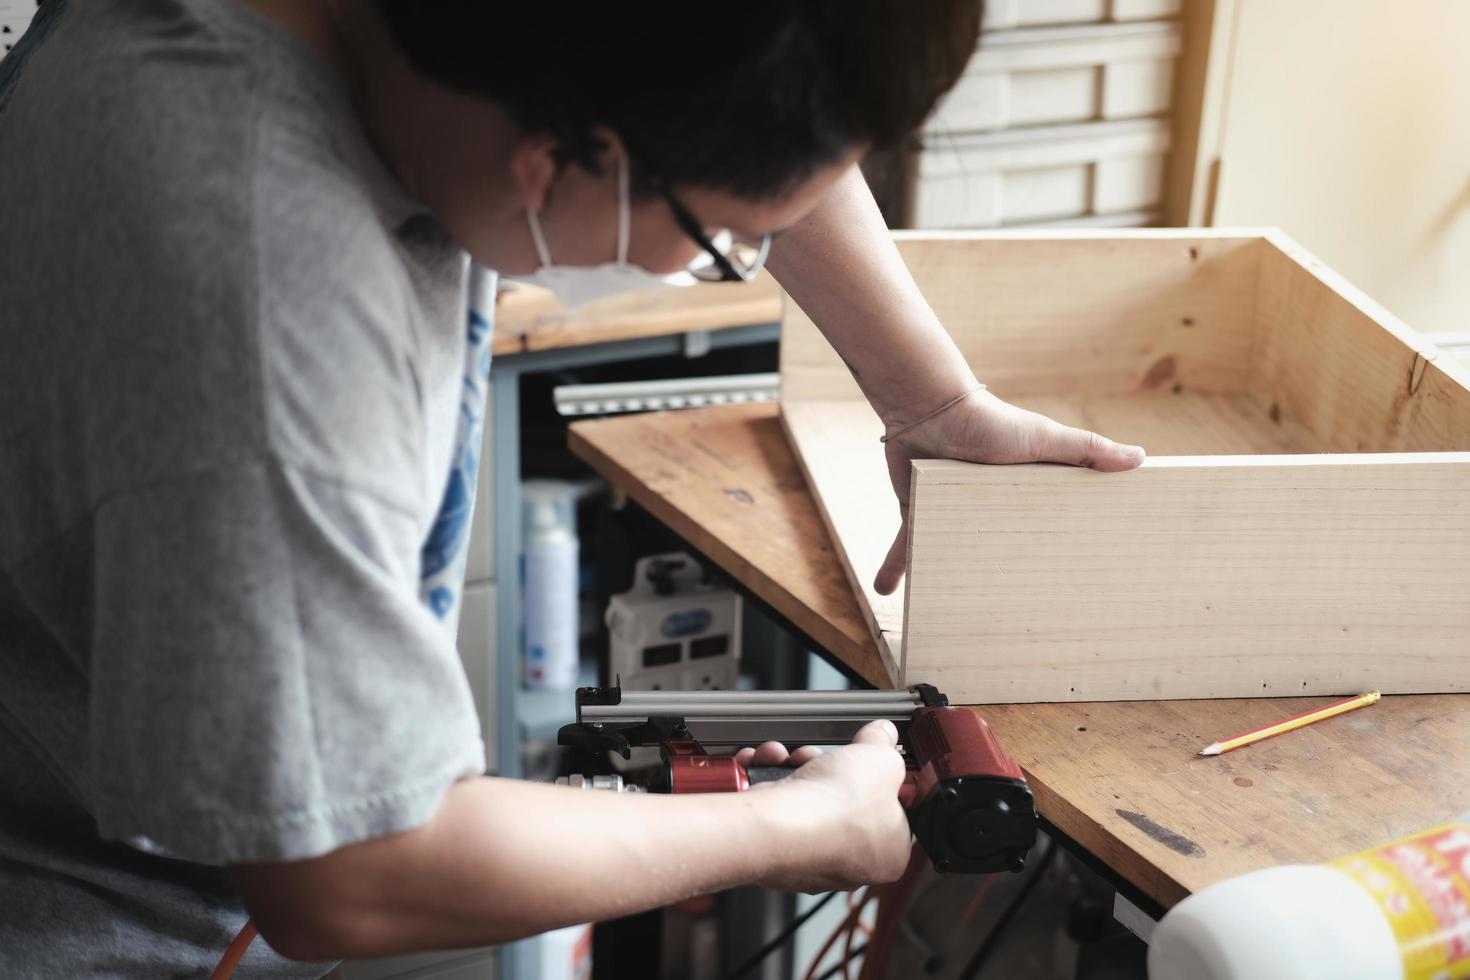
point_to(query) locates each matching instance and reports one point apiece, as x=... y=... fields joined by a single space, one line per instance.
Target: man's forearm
x=503 y=859
x=840 y=264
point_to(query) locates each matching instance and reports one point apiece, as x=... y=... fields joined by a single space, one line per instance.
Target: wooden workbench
x=1121 y=779
x=530 y=319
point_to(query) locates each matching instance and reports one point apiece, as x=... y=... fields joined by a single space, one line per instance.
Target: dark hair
x=748 y=97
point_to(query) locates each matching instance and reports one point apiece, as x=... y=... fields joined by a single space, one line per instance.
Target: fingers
x=1063 y=444
x=880 y=732
x=765 y=754
x=804 y=755
x=776 y=754
x=891 y=573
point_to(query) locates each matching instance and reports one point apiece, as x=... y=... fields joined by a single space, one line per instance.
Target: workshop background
x=1347 y=124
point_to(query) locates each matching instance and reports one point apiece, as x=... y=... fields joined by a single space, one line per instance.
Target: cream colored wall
x=1347 y=124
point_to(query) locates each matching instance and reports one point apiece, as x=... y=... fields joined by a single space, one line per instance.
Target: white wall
x=1347 y=124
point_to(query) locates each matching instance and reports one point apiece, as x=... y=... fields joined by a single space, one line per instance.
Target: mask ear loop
x=624 y=217
x=541 y=250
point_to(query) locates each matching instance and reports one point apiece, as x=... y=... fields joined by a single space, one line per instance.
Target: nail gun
x=967 y=802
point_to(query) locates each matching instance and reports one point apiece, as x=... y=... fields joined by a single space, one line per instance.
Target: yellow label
x=1422 y=883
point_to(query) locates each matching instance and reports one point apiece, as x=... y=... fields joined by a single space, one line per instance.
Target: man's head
x=748 y=111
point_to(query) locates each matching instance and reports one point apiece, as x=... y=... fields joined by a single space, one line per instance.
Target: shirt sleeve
x=266 y=684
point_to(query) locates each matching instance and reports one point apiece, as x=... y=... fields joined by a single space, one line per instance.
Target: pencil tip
x=1212 y=749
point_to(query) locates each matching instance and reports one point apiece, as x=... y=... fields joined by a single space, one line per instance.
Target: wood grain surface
x=1120 y=778
x=1265 y=576
x=840 y=455
x=1345 y=368
x=726 y=481
x=1243 y=576
x=530 y=319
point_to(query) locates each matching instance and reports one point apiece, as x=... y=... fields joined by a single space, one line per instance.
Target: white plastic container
x=550 y=597
x=1400 y=911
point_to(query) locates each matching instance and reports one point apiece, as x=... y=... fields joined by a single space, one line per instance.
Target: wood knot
x=1416 y=373
x=1161 y=370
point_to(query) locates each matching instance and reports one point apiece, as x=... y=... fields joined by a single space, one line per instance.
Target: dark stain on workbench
x=739 y=496
x=1175 y=842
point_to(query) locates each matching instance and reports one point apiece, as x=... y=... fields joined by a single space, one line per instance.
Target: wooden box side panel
x=1190 y=578
x=1071 y=312
x=1330 y=359
x=837 y=446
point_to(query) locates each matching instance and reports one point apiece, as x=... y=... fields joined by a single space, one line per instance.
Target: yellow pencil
x=1291 y=724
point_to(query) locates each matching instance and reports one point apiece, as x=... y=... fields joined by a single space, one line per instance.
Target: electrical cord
x=992 y=938
x=236 y=951
x=891 y=906
x=844 y=927
x=854 y=926
x=242 y=940
x=781 y=938
x=935 y=957
x=852 y=954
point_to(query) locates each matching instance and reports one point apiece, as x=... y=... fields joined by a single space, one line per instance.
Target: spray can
x=1399 y=911
x=550 y=598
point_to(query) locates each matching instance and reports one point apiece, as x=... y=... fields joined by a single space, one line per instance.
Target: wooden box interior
x=1189 y=343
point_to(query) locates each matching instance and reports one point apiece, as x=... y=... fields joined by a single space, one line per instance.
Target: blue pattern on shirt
x=443 y=558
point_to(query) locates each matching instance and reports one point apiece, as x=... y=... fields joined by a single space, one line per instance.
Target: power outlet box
x=15 y=17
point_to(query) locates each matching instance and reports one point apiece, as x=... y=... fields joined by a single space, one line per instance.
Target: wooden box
x=1302 y=525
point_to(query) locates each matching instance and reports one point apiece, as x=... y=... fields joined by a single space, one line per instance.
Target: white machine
x=675 y=629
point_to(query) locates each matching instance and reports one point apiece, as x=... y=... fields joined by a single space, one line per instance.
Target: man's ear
x=609 y=148
x=533 y=167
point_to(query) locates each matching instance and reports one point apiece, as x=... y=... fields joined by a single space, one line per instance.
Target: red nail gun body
x=967 y=801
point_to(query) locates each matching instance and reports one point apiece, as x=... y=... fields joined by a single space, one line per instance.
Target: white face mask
x=575 y=285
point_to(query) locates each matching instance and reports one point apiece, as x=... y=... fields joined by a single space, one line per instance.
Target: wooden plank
x=1200 y=89
x=837 y=444
x=1119 y=778
x=1213 y=576
x=1061 y=320
x=529 y=319
x=1071 y=312
x=704 y=472
x=1174 y=423
x=1336 y=362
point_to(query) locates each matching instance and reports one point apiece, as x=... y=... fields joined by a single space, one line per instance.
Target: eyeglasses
x=733 y=258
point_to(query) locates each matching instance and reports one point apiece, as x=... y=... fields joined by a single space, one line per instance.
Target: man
x=237 y=378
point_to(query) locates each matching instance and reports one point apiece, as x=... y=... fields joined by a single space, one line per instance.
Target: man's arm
x=840 y=264
x=503 y=859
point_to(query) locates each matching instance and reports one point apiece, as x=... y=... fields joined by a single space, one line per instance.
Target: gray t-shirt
x=239 y=397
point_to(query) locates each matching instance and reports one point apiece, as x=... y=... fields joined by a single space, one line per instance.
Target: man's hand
x=850 y=798
x=984 y=429
x=501 y=859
